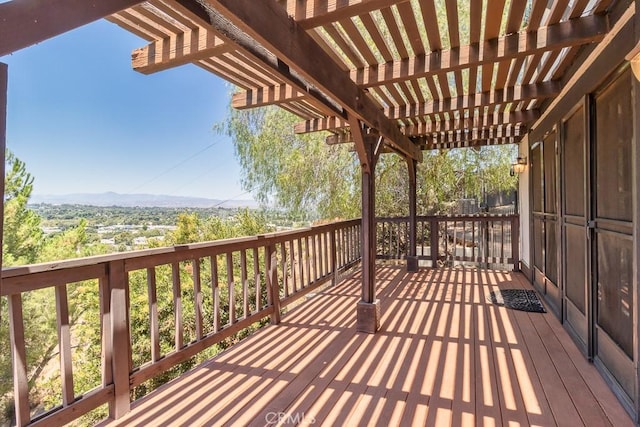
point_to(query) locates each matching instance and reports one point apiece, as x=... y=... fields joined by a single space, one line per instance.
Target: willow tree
x=297 y=172
x=313 y=180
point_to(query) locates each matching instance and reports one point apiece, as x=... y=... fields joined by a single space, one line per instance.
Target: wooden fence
x=216 y=289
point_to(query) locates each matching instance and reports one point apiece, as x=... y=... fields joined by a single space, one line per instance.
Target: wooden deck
x=444 y=356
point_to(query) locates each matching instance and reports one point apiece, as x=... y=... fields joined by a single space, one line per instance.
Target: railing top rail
x=216 y=246
x=466 y=217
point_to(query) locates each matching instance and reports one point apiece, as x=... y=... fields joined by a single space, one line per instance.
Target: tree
x=299 y=172
x=311 y=179
x=22 y=234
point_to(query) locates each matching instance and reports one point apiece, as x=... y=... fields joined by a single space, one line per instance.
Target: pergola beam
x=508 y=94
x=481 y=121
x=27 y=22
x=458 y=104
x=474 y=121
x=264 y=96
x=574 y=32
x=183 y=48
x=484 y=99
x=456 y=137
x=270 y=26
x=315 y=13
x=472 y=144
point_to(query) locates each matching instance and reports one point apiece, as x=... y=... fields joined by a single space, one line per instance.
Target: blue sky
x=84 y=121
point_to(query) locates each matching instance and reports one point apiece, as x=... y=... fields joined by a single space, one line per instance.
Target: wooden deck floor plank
x=329 y=396
x=464 y=402
x=424 y=398
x=309 y=369
x=512 y=405
x=487 y=400
x=557 y=396
x=508 y=359
x=289 y=364
x=313 y=392
x=587 y=406
x=614 y=412
x=277 y=364
x=537 y=409
x=450 y=381
x=444 y=356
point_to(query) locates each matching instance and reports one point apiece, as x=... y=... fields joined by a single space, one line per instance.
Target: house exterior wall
x=606 y=265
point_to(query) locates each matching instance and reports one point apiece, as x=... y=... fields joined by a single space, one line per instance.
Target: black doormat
x=518 y=299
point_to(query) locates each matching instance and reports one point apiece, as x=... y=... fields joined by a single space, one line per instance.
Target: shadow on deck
x=444 y=356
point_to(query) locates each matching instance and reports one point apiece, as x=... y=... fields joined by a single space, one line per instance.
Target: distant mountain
x=140 y=200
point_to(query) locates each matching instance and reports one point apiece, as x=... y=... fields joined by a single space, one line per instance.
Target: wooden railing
x=150 y=311
x=482 y=240
x=214 y=290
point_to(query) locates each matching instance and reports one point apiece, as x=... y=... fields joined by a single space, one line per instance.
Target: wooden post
x=119 y=339
x=64 y=344
x=412 y=259
x=3 y=145
x=19 y=361
x=273 y=290
x=368 y=231
x=368 y=318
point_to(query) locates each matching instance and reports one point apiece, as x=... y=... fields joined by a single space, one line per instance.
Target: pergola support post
x=412 y=258
x=368 y=307
x=368 y=310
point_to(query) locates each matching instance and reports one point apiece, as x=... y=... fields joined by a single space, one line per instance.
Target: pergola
x=390 y=75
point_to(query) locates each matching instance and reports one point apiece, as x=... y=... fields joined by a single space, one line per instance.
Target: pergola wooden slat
x=399 y=80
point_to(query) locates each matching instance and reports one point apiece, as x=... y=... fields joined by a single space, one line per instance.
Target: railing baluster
x=300 y=264
x=502 y=259
x=283 y=266
x=152 y=295
x=356 y=243
x=352 y=244
x=314 y=247
x=258 y=282
x=345 y=242
x=473 y=241
x=64 y=344
x=334 y=257
x=177 y=305
x=197 y=295
x=273 y=292
x=245 y=287
x=325 y=251
x=464 y=240
x=230 y=289
x=292 y=266
x=215 y=289
x=19 y=361
x=307 y=261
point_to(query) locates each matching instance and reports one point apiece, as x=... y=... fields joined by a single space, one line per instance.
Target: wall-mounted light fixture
x=634 y=58
x=519 y=166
